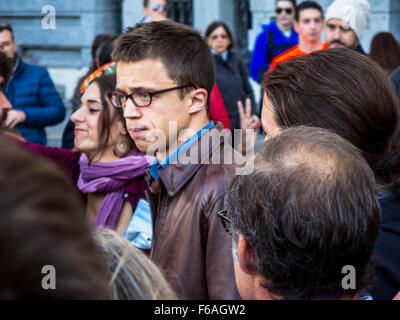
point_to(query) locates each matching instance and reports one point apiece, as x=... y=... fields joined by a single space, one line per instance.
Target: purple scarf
x=110 y=178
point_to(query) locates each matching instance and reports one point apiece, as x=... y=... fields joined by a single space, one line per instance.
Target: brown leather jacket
x=189 y=242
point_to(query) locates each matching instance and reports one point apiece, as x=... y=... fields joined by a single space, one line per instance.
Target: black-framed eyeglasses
x=140 y=98
x=226 y=222
x=156 y=6
x=287 y=10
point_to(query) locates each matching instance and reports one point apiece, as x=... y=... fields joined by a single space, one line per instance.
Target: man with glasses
x=276 y=38
x=165 y=74
x=154 y=10
x=304 y=223
x=31 y=92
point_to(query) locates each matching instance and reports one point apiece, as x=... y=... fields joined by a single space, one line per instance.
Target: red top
x=217 y=108
x=291 y=53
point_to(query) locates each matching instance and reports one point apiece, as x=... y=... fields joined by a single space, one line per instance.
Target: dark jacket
x=233 y=83
x=387 y=249
x=31 y=90
x=189 y=242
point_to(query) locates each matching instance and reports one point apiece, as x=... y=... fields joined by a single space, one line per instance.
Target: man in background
x=309 y=25
x=154 y=10
x=346 y=22
x=31 y=92
x=276 y=37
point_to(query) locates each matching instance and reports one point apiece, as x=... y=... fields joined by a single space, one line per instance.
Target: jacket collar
x=175 y=176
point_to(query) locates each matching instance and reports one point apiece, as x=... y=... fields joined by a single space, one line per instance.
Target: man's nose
x=4 y=103
x=131 y=110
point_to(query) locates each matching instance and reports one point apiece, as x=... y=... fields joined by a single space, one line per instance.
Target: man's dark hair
x=307 y=210
x=342 y=91
x=7 y=26
x=182 y=50
x=5 y=66
x=42 y=223
x=216 y=24
x=308 y=5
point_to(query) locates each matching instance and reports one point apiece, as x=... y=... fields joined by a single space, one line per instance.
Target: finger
x=241 y=110
x=11 y=123
x=255 y=121
x=248 y=108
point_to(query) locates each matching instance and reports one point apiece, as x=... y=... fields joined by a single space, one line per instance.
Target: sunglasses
x=226 y=222
x=155 y=7
x=280 y=10
x=222 y=36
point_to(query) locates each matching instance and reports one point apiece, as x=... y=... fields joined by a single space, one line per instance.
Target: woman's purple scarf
x=110 y=178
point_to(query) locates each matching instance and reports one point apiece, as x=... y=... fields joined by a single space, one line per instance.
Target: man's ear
x=197 y=100
x=246 y=256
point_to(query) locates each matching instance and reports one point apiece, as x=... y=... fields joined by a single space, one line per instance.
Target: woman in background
x=231 y=71
x=385 y=50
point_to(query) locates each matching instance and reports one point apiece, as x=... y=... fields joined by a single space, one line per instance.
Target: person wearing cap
x=346 y=22
x=31 y=92
x=309 y=25
x=154 y=10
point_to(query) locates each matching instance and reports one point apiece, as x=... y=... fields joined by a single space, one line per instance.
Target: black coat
x=233 y=83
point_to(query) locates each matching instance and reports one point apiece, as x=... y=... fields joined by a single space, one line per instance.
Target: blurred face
x=340 y=35
x=219 y=40
x=7 y=44
x=5 y=105
x=156 y=9
x=268 y=122
x=156 y=125
x=310 y=25
x=284 y=13
x=87 y=121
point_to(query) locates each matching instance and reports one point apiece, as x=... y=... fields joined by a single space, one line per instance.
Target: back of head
x=181 y=49
x=385 y=50
x=41 y=225
x=5 y=66
x=307 y=210
x=355 y=13
x=133 y=275
x=340 y=90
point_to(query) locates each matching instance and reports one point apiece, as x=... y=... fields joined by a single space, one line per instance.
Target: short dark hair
x=340 y=90
x=216 y=24
x=7 y=26
x=5 y=66
x=42 y=223
x=308 y=5
x=308 y=209
x=182 y=50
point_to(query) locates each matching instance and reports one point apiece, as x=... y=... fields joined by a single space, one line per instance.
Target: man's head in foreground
x=307 y=211
x=5 y=73
x=346 y=22
x=165 y=74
